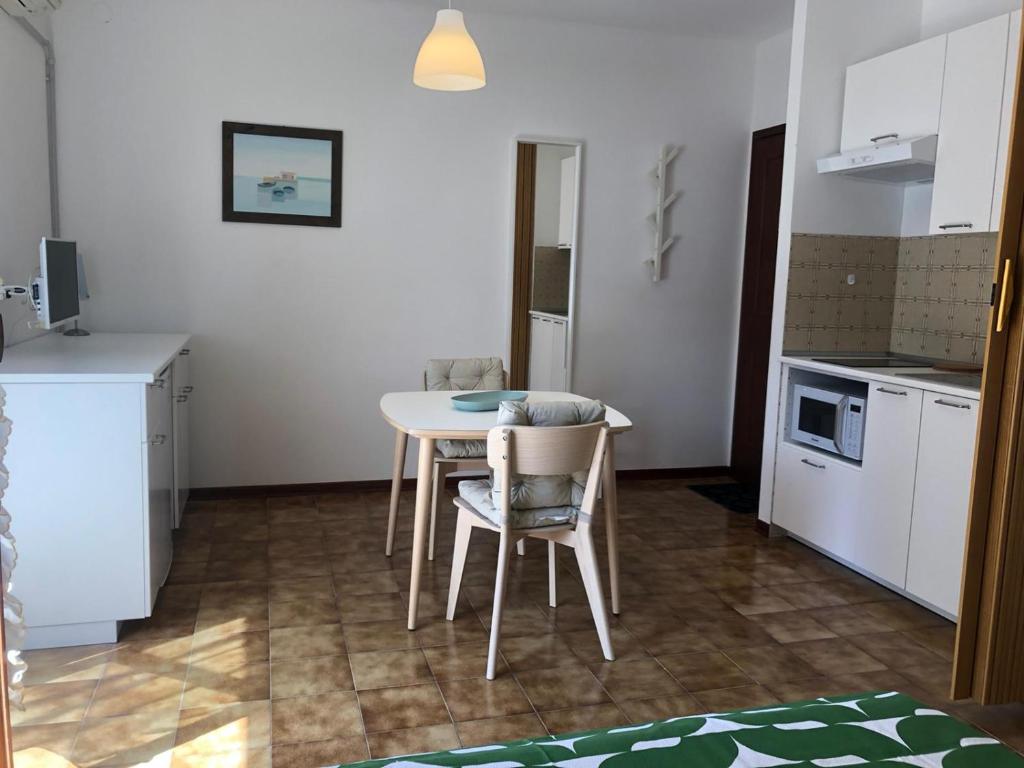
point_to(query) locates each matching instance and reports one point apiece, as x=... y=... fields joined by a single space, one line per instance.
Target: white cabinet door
x=944 y=464
x=558 y=361
x=1009 y=88
x=817 y=498
x=900 y=92
x=182 y=396
x=160 y=479
x=890 y=449
x=972 y=101
x=541 y=345
x=567 y=202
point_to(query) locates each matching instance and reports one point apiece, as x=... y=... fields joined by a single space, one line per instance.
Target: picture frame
x=274 y=174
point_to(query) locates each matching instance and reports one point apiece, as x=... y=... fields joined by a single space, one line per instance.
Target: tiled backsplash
x=550 y=279
x=923 y=296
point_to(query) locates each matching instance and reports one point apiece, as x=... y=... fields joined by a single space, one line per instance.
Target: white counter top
x=883 y=375
x=103 y=358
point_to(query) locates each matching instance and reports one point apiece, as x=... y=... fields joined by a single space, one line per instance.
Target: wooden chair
x=464 y=374
x=544 y=451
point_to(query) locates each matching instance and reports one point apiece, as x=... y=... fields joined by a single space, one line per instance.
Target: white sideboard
x=98 y=458
x=900 y=515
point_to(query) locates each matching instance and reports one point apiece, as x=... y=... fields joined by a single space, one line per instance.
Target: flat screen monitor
x=58 y=284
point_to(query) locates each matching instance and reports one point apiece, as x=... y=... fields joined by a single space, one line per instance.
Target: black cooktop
x=872 y=362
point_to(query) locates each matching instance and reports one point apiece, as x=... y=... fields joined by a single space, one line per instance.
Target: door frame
x=512 y=294
x=762 y=133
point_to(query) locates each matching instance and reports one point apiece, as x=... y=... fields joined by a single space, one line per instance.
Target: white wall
x=827 y=37
x=940 y=16
x=300 y=330
x=771 y=80
x=25 y=213
x=548 y=192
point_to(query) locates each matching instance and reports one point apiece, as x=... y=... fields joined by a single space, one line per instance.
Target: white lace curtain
x=14 y=625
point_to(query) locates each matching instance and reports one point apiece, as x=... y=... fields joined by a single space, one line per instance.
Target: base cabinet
x=945 y=460
x=548 y=336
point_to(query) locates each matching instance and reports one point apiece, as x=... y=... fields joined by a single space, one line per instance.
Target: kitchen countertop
x=549 y=315
x=884 y=375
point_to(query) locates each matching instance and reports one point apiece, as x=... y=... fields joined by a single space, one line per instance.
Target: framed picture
x=274 y=174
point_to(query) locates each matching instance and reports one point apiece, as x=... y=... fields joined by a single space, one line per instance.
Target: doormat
x=736 y=497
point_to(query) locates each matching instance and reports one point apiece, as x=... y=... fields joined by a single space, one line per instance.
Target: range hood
x=898 y=161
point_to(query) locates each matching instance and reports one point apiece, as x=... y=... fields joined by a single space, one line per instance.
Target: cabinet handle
x=962 y=406
x=181 y=398
x=876 y=139
x=810 y=463
x=159 y=383
x=186 y=390
x=891 y=391
x=158 y=440
x=185 y=352
x=957 y=225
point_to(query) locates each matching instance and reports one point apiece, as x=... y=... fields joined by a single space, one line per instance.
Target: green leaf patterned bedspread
x=863 y=729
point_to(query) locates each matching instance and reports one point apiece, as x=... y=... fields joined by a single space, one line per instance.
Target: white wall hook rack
x=657 y=218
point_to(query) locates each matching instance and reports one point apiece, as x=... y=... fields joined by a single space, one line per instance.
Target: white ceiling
x=749 y=19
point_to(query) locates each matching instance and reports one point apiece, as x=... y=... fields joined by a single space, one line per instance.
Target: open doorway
x=544 y=264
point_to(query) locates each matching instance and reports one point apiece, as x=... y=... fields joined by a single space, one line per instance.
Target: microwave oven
x=828 y=418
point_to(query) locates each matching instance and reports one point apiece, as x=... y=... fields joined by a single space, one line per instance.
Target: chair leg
x=552 y=575
x=587 y=560
x=437 y=495
x=401 y=441
x=521 y=547
x=463 y=532
x=499 y=605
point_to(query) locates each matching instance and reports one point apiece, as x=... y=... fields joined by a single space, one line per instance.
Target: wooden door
x=989 y=656
x=756 y=308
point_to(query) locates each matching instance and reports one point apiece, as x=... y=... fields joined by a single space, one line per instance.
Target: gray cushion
x=478 y=494
x=465 y=373
x=544 y=491
x=462 y=449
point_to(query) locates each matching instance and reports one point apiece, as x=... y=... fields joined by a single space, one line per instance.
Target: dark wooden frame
x=228 y=212
x=526 y=180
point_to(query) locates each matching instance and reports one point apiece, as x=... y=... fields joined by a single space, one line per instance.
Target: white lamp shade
x=449 y=59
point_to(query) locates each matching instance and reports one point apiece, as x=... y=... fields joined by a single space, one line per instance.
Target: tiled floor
x=281 y=639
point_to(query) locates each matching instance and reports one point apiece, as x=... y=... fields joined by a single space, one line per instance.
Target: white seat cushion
x=477 y=494
x=462 y=449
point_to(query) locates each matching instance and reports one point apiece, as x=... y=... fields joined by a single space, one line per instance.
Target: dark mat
x=736 y=497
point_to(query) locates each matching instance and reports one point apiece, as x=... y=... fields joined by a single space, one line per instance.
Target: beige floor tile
x=385 y=607
x=744 y=697
x=54 y=703
x=479 y=698
x=642 y=679
x=770 y=664
x=310 y=612
x=137 y=693
x=705 y=671
x=43 y=746
x=794 y=627
x=562 y=688
x=393 y=709
x=238 y=728
x=306 y=642
x=206 y=688
x=661 y=708
x=349 y=749
x=307 y=677
x=380 y=669
x=432 y=738
x=835 y=657
x=497 y=730
x=392 y=635
x=290 y=590
x=588 y=718
x=453 y=662
x=316 y=718
x=64 y=665
x=122 y=741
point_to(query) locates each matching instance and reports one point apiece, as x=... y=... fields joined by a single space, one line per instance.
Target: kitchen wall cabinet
x=548 y=338
x=899 y=92
x=567 y=203
x=1009 y=89
x=945 y=459
x=969 y=128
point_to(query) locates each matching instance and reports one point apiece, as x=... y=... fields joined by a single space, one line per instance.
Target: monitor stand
x=76 y=331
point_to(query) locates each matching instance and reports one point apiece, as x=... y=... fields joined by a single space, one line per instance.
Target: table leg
x=611 y=521
x=424 y=471
x=401 y=440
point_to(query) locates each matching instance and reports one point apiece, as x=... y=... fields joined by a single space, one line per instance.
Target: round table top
x=432 y=415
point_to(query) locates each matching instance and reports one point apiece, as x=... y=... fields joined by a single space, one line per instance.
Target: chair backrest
x=547 y=451
x=467 y=373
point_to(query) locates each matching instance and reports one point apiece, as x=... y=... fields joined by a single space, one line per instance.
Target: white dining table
x=430 y=416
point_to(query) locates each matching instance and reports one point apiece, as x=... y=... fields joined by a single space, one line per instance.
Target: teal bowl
x=486 y=401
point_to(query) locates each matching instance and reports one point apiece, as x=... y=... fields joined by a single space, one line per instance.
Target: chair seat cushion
x=462 y=449
x=477 y=493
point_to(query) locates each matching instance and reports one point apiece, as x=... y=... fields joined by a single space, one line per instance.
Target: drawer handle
x=810 y=463
x=891 y=392
x=187 y=390
x=158 y=440
x=185 y=352
x=962 y=406
x=181 y=398
x=159 y=383
x=957 y=225
x=876 y=139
